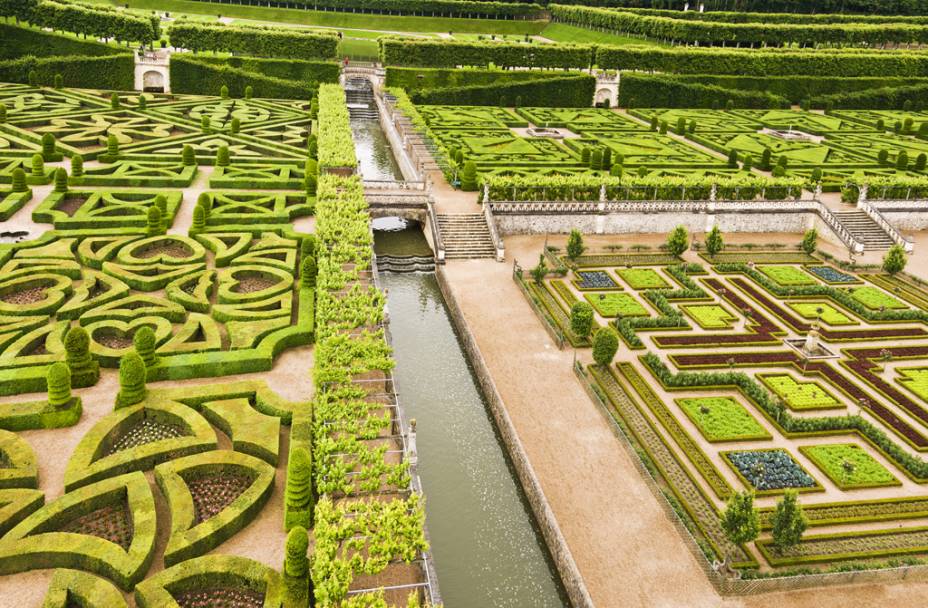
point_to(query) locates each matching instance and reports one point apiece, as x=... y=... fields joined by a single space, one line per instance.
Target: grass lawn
x=830 y=315
x=616 y=305
x=849 y=466
x=722 y=419
x=788 y=276
x=643 y=278
x=710 y=316
x=874 y=299
x=337 y=20
x=799 y=395
x=561 y=32
x=358 y=49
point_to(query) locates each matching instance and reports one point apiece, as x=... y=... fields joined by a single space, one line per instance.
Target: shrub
x=732 y=158
x=596 y=160
x=204 y=123
x=765 y=159
x=816 y=176
x=299 y=474
x=585 y=155
x=59 y=384
x=3 y=113
x=308 y=272
x=469 y=177
x=249 y=91
x=747 y=163
x=540 y=271
x=663 y=127
x=187 y=156
x=882 y=156
x=114 y=101
x=61 y=180
x=145 y=343
x=920 y=161
x=18 y=178
x=131 y=380
x=714 y=241
x=740 y=521
x=678 y=241
x=894 y=261
x=77 y=165
x=162 y=203
x=581 y=319
x=222 y=156
x=155 y=223
x=575 y=245
x=605 y=345
x=810 y=241
x=38 y=166
x=224 y=92
x=59 y=81
x=236 y=126
x=308 y=246
x=206 y=202
x=296 y=564
x=902 y=160
x=48 y=147
x=143 y=103
x=85 y=371
x=310 y=182
x=199 y=220
x=789 y=522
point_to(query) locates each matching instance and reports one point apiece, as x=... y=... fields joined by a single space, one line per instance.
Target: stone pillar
x=862 y=197
x=602 y=193
x=486 y=193
x=413 y=455
x=713 y=192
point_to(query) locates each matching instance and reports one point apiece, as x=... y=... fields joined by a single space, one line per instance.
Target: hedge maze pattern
x=716 y=402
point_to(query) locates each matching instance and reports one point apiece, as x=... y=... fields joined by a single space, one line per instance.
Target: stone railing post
x=713 y=192
x=818 y=191
x=486 y=193
x=602 y=193
x=862 y=196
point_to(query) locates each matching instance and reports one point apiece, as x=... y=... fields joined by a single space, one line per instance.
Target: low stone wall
x=644 y=222
x=554 y=539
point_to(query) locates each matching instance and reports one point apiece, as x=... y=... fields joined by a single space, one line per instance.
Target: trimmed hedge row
x=257 y=41
x=760 y=33
x=116 y=72
x=883 y=98
x=336 y=143
x=451 y=53
x=414 y=79
x=440 y=8
x=287 y=69
x=210 y=572
x=96 y=21
x=791 y=17
x=664 y=91
x=195 y=75
x=73 y=587
x=19 y=41
x=565 y=91
x=867 y=7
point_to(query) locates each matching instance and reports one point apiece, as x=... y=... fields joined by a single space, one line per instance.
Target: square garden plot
x=828 y=313
x=643 y=278
x=709 y=316
x=876 y=299
x=470 y=117
x=797 y=153
x=718 y=121
x=770 y=471
x=849 y=466
x=594 y=279
x=579 y=119
x=787 y=276
x=800 y=120
x=915 y=379
x=831 y=276
x=799 y=395
x=722 y=419
x=616 y=305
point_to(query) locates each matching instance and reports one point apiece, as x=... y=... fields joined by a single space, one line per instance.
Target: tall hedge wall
x=19 y=41
x=415 y=79
x=662 y=91
x=116 y=72
x=866 y=7
x=575 y=91
x=286 y=69
x=759 y=62
x=437 y=8
x=883 y=98
x=193 y=75
x=721 y=33
x=451 y=53
x=255 y=41
x=97 y=21
x=749 y=17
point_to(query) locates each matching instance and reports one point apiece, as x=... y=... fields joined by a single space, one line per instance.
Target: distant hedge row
x=89 y=20
x=196 y=76
x=574 y=91
x=748 y=17
x=19 y=41
x=451 y=53
x=866 y=7
x=441 y=8
x=883 y=98
x=255 y=41
x=416 y=79
x=721 y=33
x=115 y=72
x=286 y=69
x=663 y=91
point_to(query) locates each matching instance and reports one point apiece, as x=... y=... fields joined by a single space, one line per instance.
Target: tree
x=596 y=160
x=222 y=156
x=585 y=155
x=740 y=521
x=894 y=261
x=882 y=156
x=575 y=245
x=469 y=177
x=607 y=157
x=920 y=161
x=765 y=159
x=296 y=564
x=143 y=102
x=810 y=241
x=308 y=271
x=678 y=241
x=33 y=79
x=145 y=343
x=85 y=371
x=681 y=126
x=747 y=163
x=617 y=170
x=48 y=147
x=199 y=220
x=310 y=176
x=714 y=241
x=788 y=520
x=732 y=158
x=38 y=166
x=816 y=176
x=654 y=122
x=187 y=156
x=162 y=203
x=131 y=380
x=155 y=223
x=663 y=127
x=581 y=319
x=58 y=379
x=18 y=178
x=308 y=246
x=61 y=180
x=605 y=345
x=236 y=125
x=77 y=165
x=540 y=271
x=204 y=123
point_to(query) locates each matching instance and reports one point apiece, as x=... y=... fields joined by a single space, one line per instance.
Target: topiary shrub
x=85 y=371
x=581 y=319
x=48 y=147
x=605 y=345
x=222 y=156
x=308 y=246
x=204 y=123
x=732 y=158
x=61 y=180
x=32 y=78
x=143 y=102
x=236 y=126
x=299 y=493
x=199 y=220
x=224 y=92
x=38 y=166
x=59 y=81
x=678 y=241
x=161 y=202
x=469 y=177
x=596 y=160
x=112 y=147
x=310 y=183
x=19 y=180
x=188 y=157
x=77 y=165
x=296 y=564
x=3 y=113
x=205 y=201
x=902 y=160
x=58 y=379
x=308 y=272
x=131 y=380
x=145 y=343
x=155 y=223
x=249 y=91
x=920 y=161
x=114 y=101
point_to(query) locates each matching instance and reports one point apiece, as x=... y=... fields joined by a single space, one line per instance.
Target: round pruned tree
x=188 y=157
x=114 y=101
x=236 y=125
x=714 y=241
x=155 y=222
x=3 y=113
x=308 y=271
x=58 y=379
x=61 y=180
x=48 y=147
x=605 y=345
x=38 y=166
x=894 y=261
x=678 y=241
x=581 y=319
x=77 y=165
x=296 y=563
x=112 y=146
x=789 y=522
x=299 y=492
x=740 y=521
x=18 y=178
x=131 y=380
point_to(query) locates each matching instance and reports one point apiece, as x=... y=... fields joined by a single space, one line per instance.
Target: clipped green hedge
x=195 y=75
x=251 y=431
x=429 y=8
x=255 y=41
x=300 y=70
x=883 y=98
x=73 y=587
x=32 y=415
x=450 y=53
x=336 y=143
x=19 y=40
x=96 y=21
x=566 y=91
x=21 y=470
x=415 y=79
x=115 y=72
x=663 y=91
x=11 y=202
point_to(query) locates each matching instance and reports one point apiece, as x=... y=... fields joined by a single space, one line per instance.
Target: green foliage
x=469 y=177
x=740 y=521
x=155 y=221
x=224 y=92
x=131 y=380
x=204 y=123
x=809 y=241
x=714 y=241
x=48 y=146
x=641 y=90
x=299 y=472
x=895 y=260
x=296 y=563
x=235 y=126
x=605 y=345
x=145 y=343
x=85 y=371
x=187 y=156
x=191 y=74
x=276 y=42
x=199 y=220
x=2 y=113
x=308 y=271
x=249 y=91
x=59 y=81
x=678 y=241
x=789 y=522
x=575 y=247
x=18 y=178
x=77 y=165
x=222 y=156
x=38 y=166
x=581 y=319
x=548 y=91
x=112 y=146
x=59 y=384
x=61 y=180
x=722 y=419
x=336 y=144
x=733 y=158
x=436 y=53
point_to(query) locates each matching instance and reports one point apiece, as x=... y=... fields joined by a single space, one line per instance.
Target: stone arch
x=604 y=94
x=153 y=80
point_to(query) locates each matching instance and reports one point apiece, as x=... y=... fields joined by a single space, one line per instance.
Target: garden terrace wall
x=452 y=53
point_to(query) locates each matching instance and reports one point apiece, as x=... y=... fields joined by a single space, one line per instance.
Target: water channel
x=487 y=549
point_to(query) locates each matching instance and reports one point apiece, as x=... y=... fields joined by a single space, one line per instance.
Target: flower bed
x=710 y=316
x=616 y=305
x=830 y=275
x=849 y=466
x=821 y=310
x=799 y=395
x=594 y=279
x=875 y=299
x=722 y=419
x=915 y=379
x=770 y=471
x=643 y=278
x=788 y=276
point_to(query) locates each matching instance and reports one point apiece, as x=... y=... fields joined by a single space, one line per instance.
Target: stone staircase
x=359 y=94
x=865 y=230
x=465 y=236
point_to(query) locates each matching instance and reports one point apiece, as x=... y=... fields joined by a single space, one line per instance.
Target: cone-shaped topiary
x=145 y=343
x=236 y=126
x=188 y=157
x=222 y=156
x=205 y=201
x=77 y=165
x=38 y=166
x=310 y=184
x=58 y=379
x=469 y=177
x=19 y=180
x=143 y=102
x=308 y=246
x=48 y=147
x=299 y=473
x=59 y=81
x=199 y=220
x=249 y=91
x=204 y=123
x=2 y=112
x=131 y=380
x=112 y=146
x=85 y=371
x=61 y=180
x=308 y=272
x=224 y=92
x=162 y=203
x=155 y=225
x=296 y=564
x=114 y=101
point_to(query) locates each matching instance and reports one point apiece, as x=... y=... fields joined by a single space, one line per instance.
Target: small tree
x=575 y=245
x=678 y=241
x=714 y=241
x=585 y=155
x=617 y=170
x=748 y=163
x=296 y=564
x=112 y=146
x=469 y=177
x=224 y=92
x=922 y=128
x=38 y=166
x=765 y=159
x=902 y=160
x=816 y=176
x=920 y=161
x=48 y=147
x=114 y=101
x=581 y=319
x=143 y=102
x=654 y=122
x=810 y=241
x=596 y=160
x=740 y=521
x=308 y=246
x=605 y=345
x=205 y=201
x=540 y=271
x=882 y=156
x=188 y=157
x=32 y=78
x=236 y=125
x=308 y=271
x=145 y=343
x=222 y=156
x=85 y=371
x=663 y=127
x=19 y=180
x=249 y=92
x=77 y=165
x=58 y=379
x=691 y=128
x=789 y=522
x=607 y=157
x=161 y=202
x=131 y=380
x=59 y=81
x=681 y=126
x=732 y=158
x=894 y=261
x=310 y=178
x=155 y=223
x=298 y=493
x=61 y=180
x=199 y=220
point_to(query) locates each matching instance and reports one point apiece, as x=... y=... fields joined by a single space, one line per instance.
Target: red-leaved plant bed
x=112 y=522
x=213 y=493
x=220 y=597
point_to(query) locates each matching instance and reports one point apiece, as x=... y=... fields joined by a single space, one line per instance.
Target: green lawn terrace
x=714 y=402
